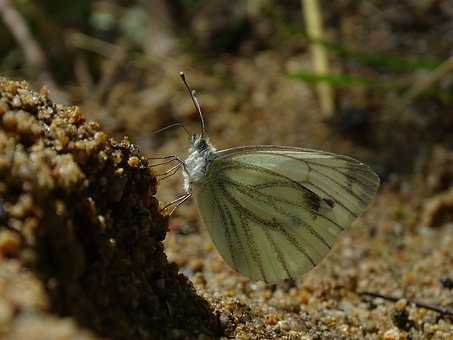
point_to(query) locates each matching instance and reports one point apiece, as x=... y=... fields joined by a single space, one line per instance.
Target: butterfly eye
x=202 y=144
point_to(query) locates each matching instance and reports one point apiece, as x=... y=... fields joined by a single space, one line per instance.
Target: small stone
x=438 y=210
x=100 y=137
x=400 y=316
x=225 y=320
x=409 y=279
x=6 y=312
x=304 y=297
x=10 y=243
x=134 y=162
x=393 y=334
x=199 y=280
x=400 y=305
x=3 y=107
x=196 y=265
x=117 y=156
x=67 y=171
x=284 y=325
x=271 y=320
x=102 y=222
x=446 y=282
x=44 y=91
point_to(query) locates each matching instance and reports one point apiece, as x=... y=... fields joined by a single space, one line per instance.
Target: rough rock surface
x=81 y=252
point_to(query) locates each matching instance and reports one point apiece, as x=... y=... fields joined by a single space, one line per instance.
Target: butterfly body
x=201 y=153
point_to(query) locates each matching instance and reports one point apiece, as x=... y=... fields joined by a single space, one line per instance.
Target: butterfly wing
x=275 y=212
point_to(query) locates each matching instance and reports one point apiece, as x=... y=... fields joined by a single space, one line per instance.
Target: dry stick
x=88 y=43
x=116 y=54
x=19 y=29
x=440 y=310
x=423 y=85
x=314 y=26
x=107 y=49
x=33 y=53
x=427 y=82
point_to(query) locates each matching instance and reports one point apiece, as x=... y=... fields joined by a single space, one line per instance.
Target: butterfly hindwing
x=274 y=212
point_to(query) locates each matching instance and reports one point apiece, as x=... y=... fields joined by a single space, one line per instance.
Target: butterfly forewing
x=274 y=212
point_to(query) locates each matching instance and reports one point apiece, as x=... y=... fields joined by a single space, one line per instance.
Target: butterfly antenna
x=172 y=126
x=195 y=102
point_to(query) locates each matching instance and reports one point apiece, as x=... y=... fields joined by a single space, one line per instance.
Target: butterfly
x=273 y=212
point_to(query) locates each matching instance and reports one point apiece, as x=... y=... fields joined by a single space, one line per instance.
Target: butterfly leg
x=177 y=202
x=165 y=160
x=170 y=172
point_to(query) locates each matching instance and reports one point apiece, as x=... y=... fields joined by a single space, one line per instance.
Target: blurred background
x=371 y=79
x=373 y=76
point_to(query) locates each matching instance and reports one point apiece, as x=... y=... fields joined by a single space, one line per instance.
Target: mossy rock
x=79 y=222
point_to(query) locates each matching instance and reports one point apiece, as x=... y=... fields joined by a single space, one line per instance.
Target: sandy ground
x=388 y=277
x=385 y=252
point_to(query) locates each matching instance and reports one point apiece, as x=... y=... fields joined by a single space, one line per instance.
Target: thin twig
x=92 y=44
x=440 y=310
x=19 y=29
x=427 y=82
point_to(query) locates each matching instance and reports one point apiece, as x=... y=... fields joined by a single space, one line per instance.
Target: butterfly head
x=200 y=144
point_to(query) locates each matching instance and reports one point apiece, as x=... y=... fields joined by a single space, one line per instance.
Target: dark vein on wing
x=225 y=225
x=251 y=242
x=241 y=165
x=286 y=150
x=254 y=194
x=275 y=226
x=239 y=241
x=359 y=175
x=348 y=190
x=352 y=164
x=309 y=163
x=355 y=175
x=280 y=256
x=367 y=184
x=336 y=201
x=294 y=204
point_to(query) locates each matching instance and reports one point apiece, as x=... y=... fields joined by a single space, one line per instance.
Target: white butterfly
x=274 y=212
